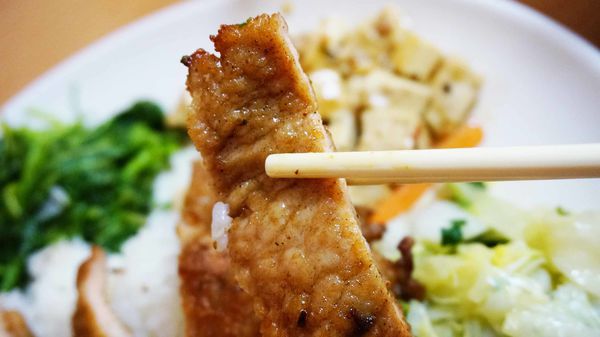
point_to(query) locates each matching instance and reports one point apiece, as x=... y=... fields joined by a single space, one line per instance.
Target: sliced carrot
x=399 y=201
x=466 y=136
x=404 y=197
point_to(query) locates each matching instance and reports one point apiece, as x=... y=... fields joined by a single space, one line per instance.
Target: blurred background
x=37 y=34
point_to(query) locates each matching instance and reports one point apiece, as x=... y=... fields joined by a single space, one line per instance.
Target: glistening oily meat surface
x=213 y=303
x=295 y=246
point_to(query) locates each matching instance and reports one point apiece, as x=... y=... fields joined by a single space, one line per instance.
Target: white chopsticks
x=442 y=165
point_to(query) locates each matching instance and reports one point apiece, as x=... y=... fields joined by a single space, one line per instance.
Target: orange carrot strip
x=401 y=199
x=466 y=136
x=404 y=197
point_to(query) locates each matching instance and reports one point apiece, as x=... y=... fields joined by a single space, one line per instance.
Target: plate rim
x=517 y=11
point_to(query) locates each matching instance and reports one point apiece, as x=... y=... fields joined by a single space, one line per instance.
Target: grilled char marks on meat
x=295 y=246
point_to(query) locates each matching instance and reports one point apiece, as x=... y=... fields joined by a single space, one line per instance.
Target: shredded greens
x=561 y=211
x=70 y=180
x=465 y=194
x=489 y=238
x=453 y=235
x=478 y=184
x=499 y=270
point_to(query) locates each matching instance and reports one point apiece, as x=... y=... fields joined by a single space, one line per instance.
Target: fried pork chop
x=12 y=324
x=295 y=246
x=93 y=316
x=213 y=303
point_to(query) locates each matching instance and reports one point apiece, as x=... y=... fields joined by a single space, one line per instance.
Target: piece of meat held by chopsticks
x=213 y=303
x=93 y=315
x=295 y=246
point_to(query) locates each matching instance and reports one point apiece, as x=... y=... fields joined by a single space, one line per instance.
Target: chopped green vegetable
x=489 y=238
x=244 y=23
x=478 y=184
x=70 y=181
x=562 y=211
x=464 y=194
x=519 y=276
x=405 y=306
x=453 y=235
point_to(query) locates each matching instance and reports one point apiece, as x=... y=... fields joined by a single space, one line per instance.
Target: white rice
x=49 y=301
x=143 y=283
x=221 y=222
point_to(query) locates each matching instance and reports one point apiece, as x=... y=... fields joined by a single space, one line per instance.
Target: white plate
x=542 y=83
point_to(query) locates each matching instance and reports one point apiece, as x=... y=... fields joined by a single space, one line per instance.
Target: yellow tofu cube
x=415 y=59
x=455 y=90
x=342 y=127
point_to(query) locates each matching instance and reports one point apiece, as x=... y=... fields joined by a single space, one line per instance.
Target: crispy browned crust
x=12 y=324
x=197 y=207
x=295 y=246
x=93 y=316
x=213 y=304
